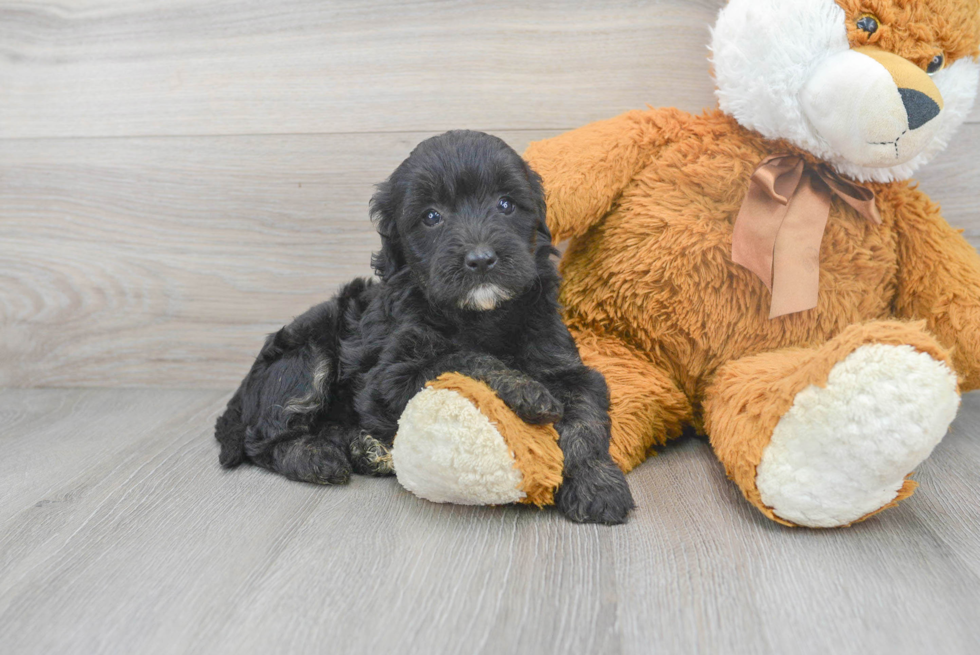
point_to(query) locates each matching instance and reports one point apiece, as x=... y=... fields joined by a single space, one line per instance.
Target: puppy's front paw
x=595 y=493
x=533 y=403
x=369 y=456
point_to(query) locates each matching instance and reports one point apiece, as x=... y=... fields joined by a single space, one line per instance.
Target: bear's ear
x=385 y=206
x=540 y=204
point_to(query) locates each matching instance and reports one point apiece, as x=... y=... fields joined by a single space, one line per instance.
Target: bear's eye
x=868 y=23
x=506 y=205
x=431 y=218
x=937 y=64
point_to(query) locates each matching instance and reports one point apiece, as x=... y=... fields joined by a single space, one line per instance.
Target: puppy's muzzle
x=480 y=260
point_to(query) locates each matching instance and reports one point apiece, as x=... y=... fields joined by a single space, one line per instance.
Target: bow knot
x=781 y=223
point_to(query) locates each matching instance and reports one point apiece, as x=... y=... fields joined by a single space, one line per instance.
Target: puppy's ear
x=385 y=205
x=540 y=204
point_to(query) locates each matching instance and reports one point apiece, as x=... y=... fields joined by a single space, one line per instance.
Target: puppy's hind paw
x=311 y=460
x=595 y=493
x=370 y=457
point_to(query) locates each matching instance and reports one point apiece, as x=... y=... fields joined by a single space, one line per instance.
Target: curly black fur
x=324 y=396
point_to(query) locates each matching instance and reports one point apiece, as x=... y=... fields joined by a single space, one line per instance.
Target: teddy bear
x=765 y=273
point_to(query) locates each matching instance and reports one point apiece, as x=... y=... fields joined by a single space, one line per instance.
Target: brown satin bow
x=780 y=226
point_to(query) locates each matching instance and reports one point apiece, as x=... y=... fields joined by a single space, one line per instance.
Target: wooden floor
x=119 y=533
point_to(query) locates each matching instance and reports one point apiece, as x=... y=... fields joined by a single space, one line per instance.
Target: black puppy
x=467 y=285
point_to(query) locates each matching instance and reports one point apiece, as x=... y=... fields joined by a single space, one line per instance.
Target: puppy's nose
x=920 y=108
x=481 y=259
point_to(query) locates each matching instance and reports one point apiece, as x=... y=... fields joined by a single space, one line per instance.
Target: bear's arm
x=939 y=281
x=585 y=170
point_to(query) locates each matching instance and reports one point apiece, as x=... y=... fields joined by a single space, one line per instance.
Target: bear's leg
x=457 y=442
x=828 y=436
x=646 y=407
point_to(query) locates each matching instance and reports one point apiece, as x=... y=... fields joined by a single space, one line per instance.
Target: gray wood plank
x=240 y=67
x=953 y=180
x=48 y=438
x=164 y=261
x=115 y=68
x=149 y=547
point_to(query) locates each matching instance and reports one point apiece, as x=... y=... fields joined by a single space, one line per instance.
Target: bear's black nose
x=920 y=108
x=481 y=259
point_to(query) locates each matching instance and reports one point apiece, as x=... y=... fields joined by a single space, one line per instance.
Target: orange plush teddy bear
x=764 y=272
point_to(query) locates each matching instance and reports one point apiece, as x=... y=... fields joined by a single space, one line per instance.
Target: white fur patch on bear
x=448 y=451
x=765 y=52
x=958 y=85
x=853 y=103
x=843 y=451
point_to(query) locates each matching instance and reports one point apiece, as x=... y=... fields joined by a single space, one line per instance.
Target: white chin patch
x=484 y=298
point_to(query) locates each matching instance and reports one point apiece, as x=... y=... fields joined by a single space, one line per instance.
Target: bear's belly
x=658 y=272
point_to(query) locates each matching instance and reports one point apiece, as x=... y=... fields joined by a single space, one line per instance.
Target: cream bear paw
x=844 y=450
x=448 y=451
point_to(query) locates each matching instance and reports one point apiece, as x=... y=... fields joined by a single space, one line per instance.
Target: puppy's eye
x=937 y=64
x=431 y=218
x=868 y=23
x=506 y=205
